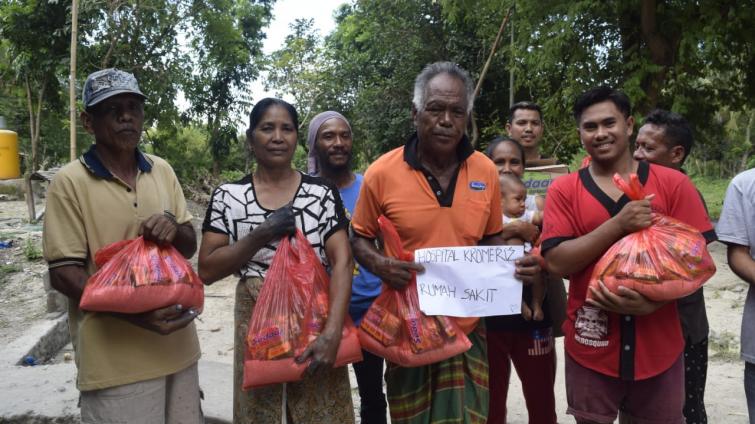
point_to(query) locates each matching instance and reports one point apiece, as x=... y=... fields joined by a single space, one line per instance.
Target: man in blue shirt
x=330 y=141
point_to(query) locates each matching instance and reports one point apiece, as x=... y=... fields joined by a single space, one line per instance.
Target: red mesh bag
x=665 y=261
x=136 y=276
x=396 y=329
x=290 y=313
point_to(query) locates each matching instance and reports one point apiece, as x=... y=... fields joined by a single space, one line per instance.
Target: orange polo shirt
x=397 y=186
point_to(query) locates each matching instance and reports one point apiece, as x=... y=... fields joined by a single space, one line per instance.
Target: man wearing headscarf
x=330 y=142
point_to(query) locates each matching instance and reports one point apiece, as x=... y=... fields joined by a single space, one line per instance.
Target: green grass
x=713 y=190
x=724 y=345
x=7 y=270
x=31 y=251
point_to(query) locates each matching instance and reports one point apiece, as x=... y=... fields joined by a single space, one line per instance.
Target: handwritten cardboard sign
x=475 y=281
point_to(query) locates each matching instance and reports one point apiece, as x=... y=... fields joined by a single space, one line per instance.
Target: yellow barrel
x=10 y=165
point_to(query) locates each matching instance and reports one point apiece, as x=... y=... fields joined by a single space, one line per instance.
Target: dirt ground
x=22 y=301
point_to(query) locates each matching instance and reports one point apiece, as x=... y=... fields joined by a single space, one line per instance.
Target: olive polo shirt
x=88 y=208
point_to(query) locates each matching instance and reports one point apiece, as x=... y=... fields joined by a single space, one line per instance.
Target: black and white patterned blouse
x=235 y=211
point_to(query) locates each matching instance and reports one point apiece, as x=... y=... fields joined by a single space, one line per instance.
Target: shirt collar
x=463 y=151
x=93 y=163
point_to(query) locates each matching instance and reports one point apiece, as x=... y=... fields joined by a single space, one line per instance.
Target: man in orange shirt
x=438 y=191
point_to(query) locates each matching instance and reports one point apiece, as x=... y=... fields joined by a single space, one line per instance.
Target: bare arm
x=70 y=281
x=520 y=229
x=627 y=301
x=324 y=349
x=219 y=259
x=163 y=229
x=394 y=272
x=741 y=262
x=575 y=255
x=186 y=240
x=537 y=218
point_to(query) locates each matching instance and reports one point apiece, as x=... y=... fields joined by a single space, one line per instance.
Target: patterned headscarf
x=313 y=168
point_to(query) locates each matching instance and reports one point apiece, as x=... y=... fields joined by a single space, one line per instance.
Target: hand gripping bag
x=290 y=313
x=396 y=329
x=136 y=276
x=665 y=261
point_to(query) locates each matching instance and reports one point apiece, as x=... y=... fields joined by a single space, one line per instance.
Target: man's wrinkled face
x=526 y=127
x=116 y=122
x=334 y=145
x=651 y=146
x=442 y=121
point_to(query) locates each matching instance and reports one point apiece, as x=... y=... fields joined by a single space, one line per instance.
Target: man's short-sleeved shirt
x=737 y=226
x=88 y=208
x=397 y=186
x=691 y=308
x=625 y=346
x=235 y=211
x=365 y=286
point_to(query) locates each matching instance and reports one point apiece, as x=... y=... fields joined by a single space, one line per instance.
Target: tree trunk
x=72 y=77
x=662 y=50
x=35 y=120
x=484 y=71
x=33 y=159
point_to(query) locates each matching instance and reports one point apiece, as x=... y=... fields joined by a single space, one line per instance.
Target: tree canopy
x=694 y=58
x=196 y=59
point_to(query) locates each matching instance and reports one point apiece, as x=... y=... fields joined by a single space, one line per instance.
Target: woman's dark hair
x=504 y=139
x=263 y=105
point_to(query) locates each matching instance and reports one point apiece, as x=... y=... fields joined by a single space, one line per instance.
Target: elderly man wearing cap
x=329 y=141
x=139 y=368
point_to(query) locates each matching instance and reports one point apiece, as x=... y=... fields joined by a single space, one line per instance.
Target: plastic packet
x=396 y=329
x=665 y=261
x=136 y=276
x=290 y=313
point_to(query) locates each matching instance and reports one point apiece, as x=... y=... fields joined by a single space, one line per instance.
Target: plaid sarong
x=450 y=391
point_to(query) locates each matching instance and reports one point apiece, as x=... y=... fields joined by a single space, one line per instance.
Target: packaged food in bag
x=290 y=313
x=136 y=276
x=396 y=329
x=665 y=261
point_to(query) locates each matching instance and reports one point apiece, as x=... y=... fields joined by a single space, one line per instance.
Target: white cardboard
x=475 y=281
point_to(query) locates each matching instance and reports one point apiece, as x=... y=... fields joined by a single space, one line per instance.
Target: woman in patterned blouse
x=242 y=228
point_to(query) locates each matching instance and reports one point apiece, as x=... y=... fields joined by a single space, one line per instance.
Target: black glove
x=281 y=222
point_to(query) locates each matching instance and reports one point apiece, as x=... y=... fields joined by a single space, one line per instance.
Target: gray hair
x=434 y=69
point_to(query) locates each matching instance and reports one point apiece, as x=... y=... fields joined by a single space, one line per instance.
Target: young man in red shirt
x=623 y=351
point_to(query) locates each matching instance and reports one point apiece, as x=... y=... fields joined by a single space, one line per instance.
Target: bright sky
x=284 y=14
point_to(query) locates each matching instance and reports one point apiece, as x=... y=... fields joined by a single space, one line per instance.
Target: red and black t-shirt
x=625 y=346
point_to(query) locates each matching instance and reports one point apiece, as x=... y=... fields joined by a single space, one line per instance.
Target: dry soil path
x=22 y=302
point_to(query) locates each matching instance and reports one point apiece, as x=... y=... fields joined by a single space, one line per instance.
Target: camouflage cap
x=107 y=83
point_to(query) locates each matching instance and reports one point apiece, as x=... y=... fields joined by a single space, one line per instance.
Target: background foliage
x=195 y=60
